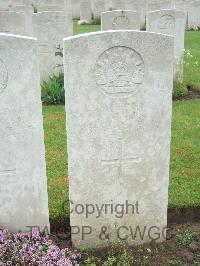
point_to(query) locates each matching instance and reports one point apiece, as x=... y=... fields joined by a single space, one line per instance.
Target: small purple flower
x=33 y=249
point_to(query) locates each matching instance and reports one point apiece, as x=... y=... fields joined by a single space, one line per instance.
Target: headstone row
x=48 y=27
x=167 y=21
x=118 y=87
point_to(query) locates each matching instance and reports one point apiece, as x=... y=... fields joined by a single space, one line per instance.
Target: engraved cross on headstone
x=121 y=159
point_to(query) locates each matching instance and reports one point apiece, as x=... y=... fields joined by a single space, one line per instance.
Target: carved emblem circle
x=167 y=22
x=3 y=76
x=121 y=22
x=119 y=71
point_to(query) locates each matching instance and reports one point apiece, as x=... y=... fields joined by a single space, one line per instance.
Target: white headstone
x=12 y=22
x=181 y=5
x=50 y=28
x=179 y=45
x=68 y=5
x=161 y=21
x=170 y=22
x=49 y=8
x=29 y=2
x=16 y=3
x=138 y=6
x=85 y=11
x=194 y=15
x=118 y=106
x=160 y=4
x=118 y=4
x=28 y=12
x=23 y=188
x=99 y=7
x=75 y=8
x=120 y=20
x=51 y=3
x=4 y=5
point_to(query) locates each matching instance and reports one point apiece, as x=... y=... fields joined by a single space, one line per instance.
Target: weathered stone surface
x=170 y=22
x=12 y=22
x=118 y=4
x=120 y=20
x=179 y=45
x=160 y=4
x=16 y=3
x=23 y=188
x=4 y=5
x=118 y=87
x=50 y=28
x=50 y=8
x=85 y=11
x=161 y=21
x=99 y=7
x=51 y=3
x=194 y=15
x=181 y=5
x=28 y=12
x=138 y=6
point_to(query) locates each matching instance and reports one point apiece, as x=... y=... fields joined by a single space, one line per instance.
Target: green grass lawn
x=184 y=187
x=85 y=28
x=192 y=64
x=185 y=156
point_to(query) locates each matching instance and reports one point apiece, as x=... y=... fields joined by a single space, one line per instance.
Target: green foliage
x=110 y=261
x=34 y=8
x=125 y=259
x=192 y=59
x=53 y=90
x=185 y=238
x=96 y=21
x=79 y=29
x=175 y=263
x=161 y=248
x=197 y=262
x=194 y=29
x=179 y=90
x=89 y=262
x=56 y=158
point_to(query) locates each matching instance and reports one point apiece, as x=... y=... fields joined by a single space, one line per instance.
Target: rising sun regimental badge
x=119 y=71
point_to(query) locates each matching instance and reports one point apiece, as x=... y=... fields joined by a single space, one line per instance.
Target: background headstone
x=118 y=4
x=16 y=3
x=99 y=7
x=12 y=22
x=28 y=12
x=120 y=20
x=179 y=44
x=85 y=11
x=140 y=7
x=4 y=5
x=51 y=3
x=194 y=15
x=75 y=9
x=160 y=4
x=161 y=21
x=50 y=28
x=50 y=8
x=23 y=188
x=170 y=22
x=118 y=87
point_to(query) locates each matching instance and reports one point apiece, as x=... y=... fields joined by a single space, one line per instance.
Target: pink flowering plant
x=33 y=248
